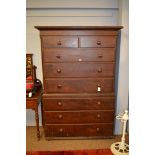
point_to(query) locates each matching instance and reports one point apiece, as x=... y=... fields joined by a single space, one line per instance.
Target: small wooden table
x=33 y=103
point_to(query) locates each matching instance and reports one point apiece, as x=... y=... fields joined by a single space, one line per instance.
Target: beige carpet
x=43 y=145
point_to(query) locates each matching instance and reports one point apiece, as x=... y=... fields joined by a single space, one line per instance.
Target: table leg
x=37 y=123
x=42 y=113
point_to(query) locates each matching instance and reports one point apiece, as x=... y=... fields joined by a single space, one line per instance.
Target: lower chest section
x=78 y=116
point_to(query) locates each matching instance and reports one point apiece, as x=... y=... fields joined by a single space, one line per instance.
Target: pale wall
x=123 y=66
x=73 y=13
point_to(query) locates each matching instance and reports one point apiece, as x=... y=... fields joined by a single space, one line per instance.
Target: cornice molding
x=71 y=4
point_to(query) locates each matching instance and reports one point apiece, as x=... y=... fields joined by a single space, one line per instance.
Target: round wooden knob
x=60 y=116
x=100 y=56
x=98 y=42
x=98 y=116
x=99 y=103
x=59 y=43
x=59 y=70
x=79 y=59
x=60 y=130
x=98 y=85
x=58 y=56
x=99 y=70
x=59 y=86
x=59 y=103
x=97 y=129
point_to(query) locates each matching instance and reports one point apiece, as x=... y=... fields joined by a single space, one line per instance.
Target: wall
x=123 y=66
x=67 y=13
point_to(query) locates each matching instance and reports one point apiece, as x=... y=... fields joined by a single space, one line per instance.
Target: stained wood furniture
x=33 y=103
x=79 y=76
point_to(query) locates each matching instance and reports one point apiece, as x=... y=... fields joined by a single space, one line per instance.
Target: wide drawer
x=79 y=85
x=75 y=117
x=78 y=55
x=59 y=41
x=59 y=104
x=97 y=41
x=78 y=69
x=75 y=130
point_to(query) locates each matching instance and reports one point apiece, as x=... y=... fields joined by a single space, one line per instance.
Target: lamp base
x=120 y=148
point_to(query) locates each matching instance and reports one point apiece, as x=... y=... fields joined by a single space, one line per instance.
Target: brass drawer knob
x=97 y=129
x=58 y=70
x=98 y=116
x=60 y=116
x=60 y=130
x=59 y=103
x=98 y=42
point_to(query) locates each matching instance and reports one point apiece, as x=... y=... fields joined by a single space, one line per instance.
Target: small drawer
x=75 y=117
x=98 y=41
x=79 y=85
x=59 y=104
x=79 y=55
x=76 y=130
x=58 y=42
x=31 y=104
x=83 y=69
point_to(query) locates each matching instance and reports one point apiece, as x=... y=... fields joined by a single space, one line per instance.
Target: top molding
x=71 y=4
x=78 y=27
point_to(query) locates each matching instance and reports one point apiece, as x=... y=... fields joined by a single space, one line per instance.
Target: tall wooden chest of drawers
x=78 y=78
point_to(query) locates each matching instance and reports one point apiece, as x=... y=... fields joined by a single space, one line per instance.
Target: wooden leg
x=37 y=123
x=42 y=113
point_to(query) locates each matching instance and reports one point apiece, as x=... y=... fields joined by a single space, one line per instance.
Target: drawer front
x=98 y=41
x=73 y=117
x=59 y=41
x=86 y=85
x=104 y=103
x=79 y=69
x=31 y=104
x=78 y=130
x=78 y=55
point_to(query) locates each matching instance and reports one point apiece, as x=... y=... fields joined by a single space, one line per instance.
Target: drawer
x=79 y=54
x=79 y=69
x=75 y=117
x=59 y=41
x=98 y=41
x=74 y=130
x=59 y=104
x=81 y=85
x=31 y=104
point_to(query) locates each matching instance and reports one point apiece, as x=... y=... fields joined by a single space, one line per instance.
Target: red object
x=73 y=152
x=29 y=86
x=29 y=78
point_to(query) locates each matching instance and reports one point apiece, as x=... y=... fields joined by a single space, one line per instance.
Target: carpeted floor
x=61 y=145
